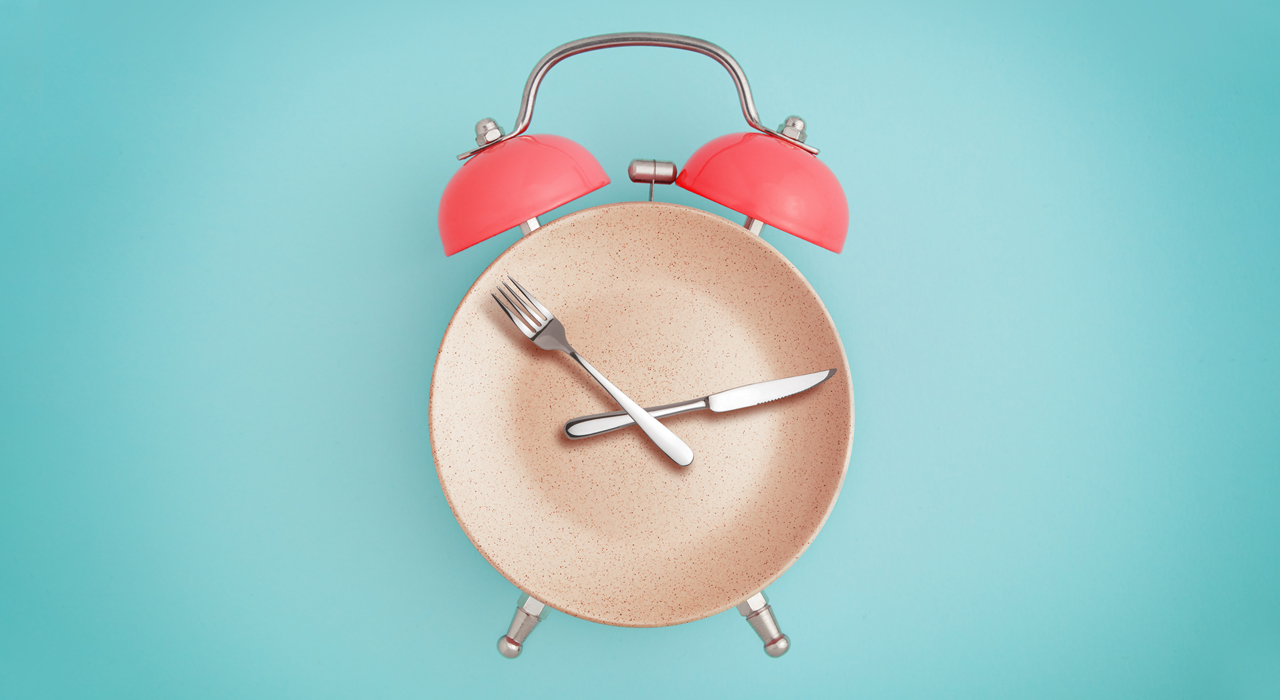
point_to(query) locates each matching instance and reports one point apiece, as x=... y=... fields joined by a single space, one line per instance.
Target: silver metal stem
x=530 y=226
x=759 y=615
x=609 y=41
x=654 y=172
x=754 y=225
x=529 y=612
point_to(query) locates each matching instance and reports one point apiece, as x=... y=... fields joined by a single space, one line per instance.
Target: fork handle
x=661 y=435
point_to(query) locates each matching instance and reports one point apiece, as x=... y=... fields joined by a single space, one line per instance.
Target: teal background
x=222 y=289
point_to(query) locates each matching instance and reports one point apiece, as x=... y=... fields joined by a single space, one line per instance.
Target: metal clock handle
x=609 y=41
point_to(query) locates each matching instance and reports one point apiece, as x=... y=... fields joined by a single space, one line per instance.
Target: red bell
x=773 y=181
x=511 y=182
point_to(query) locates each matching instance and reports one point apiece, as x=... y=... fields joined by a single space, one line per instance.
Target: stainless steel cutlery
x=731 y=400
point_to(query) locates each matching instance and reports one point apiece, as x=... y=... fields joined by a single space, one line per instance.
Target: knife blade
x=730 y=400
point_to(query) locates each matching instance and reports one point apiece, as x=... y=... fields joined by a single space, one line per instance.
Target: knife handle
x=596 y=424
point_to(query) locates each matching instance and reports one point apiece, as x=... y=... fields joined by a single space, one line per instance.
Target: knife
x=731 y=400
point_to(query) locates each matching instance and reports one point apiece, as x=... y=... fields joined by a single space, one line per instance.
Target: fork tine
x=519 y=324
x=533 y=323
x=536 y=316
x=545 y=312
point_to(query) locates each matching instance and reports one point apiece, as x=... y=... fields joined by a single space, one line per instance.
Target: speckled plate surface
x=670 y=303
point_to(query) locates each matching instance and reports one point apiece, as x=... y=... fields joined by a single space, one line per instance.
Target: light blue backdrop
x=221 y=292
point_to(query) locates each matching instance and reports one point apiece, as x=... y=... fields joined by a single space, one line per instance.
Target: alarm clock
x=672 y=303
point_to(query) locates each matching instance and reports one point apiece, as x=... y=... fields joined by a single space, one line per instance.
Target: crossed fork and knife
x=547 y=332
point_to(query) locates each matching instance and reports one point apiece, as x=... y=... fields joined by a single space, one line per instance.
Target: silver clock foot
x=759 y=615
x=529 y=612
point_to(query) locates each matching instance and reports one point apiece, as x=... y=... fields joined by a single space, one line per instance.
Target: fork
x=545 y=330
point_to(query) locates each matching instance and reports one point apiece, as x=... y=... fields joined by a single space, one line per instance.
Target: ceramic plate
x=670 y=303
